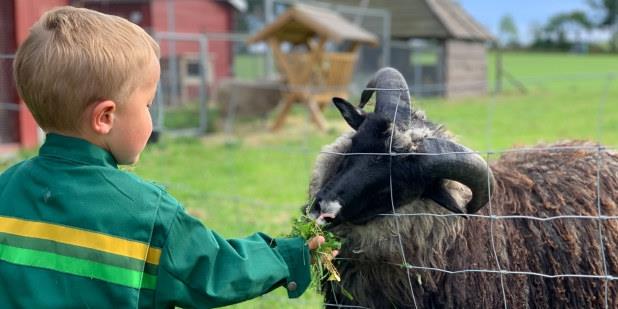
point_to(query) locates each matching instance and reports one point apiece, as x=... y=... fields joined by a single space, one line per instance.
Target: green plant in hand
x=322 y=266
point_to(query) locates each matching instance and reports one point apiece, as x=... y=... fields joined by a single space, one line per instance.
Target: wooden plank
x=315 y=61
x=316 y=114
x=270 y=29
x=284 y=108
x=280 y=60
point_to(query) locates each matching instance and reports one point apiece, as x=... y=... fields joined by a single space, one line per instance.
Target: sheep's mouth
x=325 y=212
x=325 y=219
x=329 y=220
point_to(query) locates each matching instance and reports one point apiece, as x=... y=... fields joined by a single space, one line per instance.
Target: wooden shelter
x=443 y=28
x=311 y=74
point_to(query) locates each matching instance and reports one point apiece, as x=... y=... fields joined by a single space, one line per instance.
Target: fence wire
x=598 y=186
x=9 y=107
x=493 y=217
x=599 y=218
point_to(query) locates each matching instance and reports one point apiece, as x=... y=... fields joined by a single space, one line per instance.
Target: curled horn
x=456 y=162
x=395 y=95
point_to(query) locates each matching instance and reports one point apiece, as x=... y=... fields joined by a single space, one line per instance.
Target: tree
x=509 y=35
x=607 y=11
x=560 y=25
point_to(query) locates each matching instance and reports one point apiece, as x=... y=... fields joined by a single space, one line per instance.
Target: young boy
x=76 y=232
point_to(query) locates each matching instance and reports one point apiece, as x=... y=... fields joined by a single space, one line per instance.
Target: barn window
x=193 y=68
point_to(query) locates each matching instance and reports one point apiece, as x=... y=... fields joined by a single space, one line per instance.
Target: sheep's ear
x=352 y=115
x=439 y=194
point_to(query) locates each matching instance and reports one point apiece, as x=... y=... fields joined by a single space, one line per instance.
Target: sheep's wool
x=539 y=183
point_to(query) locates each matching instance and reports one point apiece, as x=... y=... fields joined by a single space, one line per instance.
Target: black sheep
x=356 y=192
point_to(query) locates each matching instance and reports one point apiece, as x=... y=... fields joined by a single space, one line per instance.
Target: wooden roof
x=301 y=22
x=441 y=19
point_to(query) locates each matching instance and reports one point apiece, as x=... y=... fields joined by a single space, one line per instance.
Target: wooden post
x=316 y=114
x=280 y=61
x=315 y=60
x=288 y=97
x=284 y=108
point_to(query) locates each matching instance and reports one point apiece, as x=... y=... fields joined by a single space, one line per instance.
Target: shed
x=437 y=45
x=311 y=73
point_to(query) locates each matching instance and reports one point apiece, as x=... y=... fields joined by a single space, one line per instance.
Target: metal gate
x=181 y=102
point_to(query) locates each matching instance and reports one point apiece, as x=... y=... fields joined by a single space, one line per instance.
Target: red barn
x=17 y=127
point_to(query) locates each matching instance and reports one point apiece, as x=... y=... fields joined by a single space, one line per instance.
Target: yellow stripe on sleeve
x=80 y=237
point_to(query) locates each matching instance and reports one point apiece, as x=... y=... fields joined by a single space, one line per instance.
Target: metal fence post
x=269 y=16
x=203 y=42
x=172 y=61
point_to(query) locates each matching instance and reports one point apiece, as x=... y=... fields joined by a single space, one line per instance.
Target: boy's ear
x=102 y=116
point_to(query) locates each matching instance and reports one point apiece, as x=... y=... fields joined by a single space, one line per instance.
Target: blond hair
x=74 y=57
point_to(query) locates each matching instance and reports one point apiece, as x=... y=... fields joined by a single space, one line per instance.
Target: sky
x=524 y=12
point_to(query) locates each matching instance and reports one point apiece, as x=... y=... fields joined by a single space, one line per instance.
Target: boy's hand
x=315 y=243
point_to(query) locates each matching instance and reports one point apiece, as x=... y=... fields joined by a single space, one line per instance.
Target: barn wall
x=138 y=12
x=198 y=16
x=466 y=68
x=8 y=118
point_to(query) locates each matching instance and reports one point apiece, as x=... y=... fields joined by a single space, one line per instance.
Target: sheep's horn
x=394 y=97
x=456 y=162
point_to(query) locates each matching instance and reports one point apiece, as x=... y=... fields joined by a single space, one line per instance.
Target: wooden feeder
x=311 y=75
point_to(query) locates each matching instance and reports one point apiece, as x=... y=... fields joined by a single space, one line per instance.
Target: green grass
x=500 y=122
x=187 y=116
x=249 y=66
x=527 y=65
x=182 y=116
x=258 y=181
x=569 y=97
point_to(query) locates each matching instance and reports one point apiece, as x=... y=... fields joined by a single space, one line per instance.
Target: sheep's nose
x=326 y=211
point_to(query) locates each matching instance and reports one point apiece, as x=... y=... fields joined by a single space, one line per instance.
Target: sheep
x=352 y=196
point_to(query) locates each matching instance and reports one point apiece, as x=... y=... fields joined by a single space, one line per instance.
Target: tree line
x=566 y=31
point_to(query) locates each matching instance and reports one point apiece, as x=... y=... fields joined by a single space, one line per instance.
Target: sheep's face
x=367 y=178
x=370 y=180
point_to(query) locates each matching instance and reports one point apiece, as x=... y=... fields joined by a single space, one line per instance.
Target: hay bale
x=248 y=98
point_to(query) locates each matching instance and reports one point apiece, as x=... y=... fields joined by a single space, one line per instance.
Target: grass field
x=257 y=181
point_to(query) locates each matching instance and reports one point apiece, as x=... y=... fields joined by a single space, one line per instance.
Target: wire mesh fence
x=200 y=87
x=181 y=100
x=601 y=221
x=489 y=142
x=499 y=269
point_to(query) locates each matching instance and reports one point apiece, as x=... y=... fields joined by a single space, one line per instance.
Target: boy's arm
x=198 y=268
